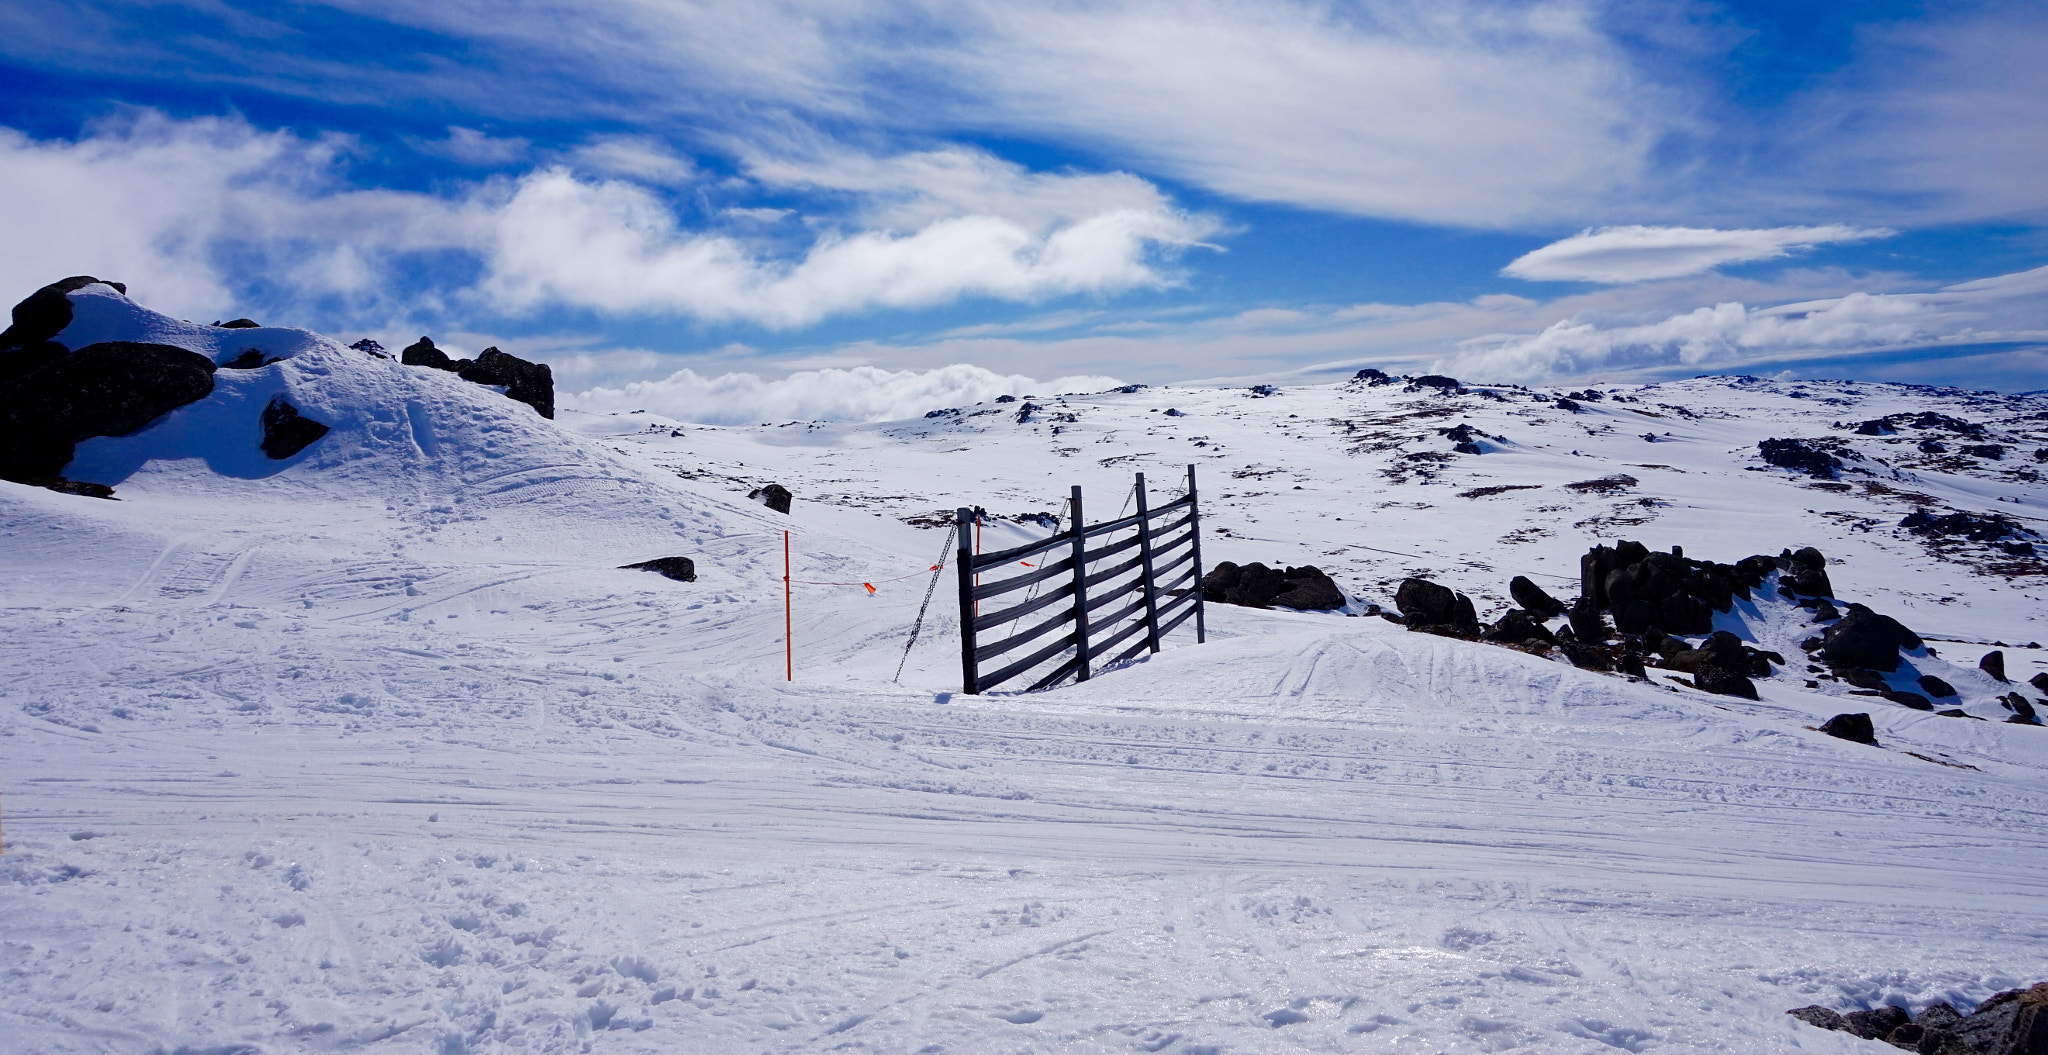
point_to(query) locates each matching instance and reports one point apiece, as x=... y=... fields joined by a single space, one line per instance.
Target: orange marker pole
x=788 y=643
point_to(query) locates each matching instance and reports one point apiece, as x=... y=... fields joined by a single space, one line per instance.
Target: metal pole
x=970 y=679
x=788 y=640
x=1145 y=555
x=1195 y=523
x=1080 y=588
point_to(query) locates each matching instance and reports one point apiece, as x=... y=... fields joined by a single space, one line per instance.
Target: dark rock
x=1800 y=456
x=1309 y=590
x=2014 y=1022
x=1422 y=601
x=1531 y=596
x=249 y=360
x=45 y=313
x=240 y=324
x=1586 y=655
x=82 y=488
x=1725 y=681
x=1426 y=605
x=1989 y=527
x=681 y=569
x=1638 y=616
x=1954 y=712
x=1866 y=639
x=1993 y=664
x=1909 y=699
x=1517 y=627
x=423 y=353
x=1372 y=377
x=1940 y=1016
x=1863 y=679
x=20 y=362
x=1826 y=612
x=2022 y=711
x=1631 y=664
x=287 y=432
x=1468 y=447
x=108 y=389
x=1262 y=391
x=1568 y=404
x=1587 y=623
x=1936 y=687
x=1723 y=648
x=1991 y=451
x=2039 y=681
x=530 y=383
x=1436 y=381
x=1806 y=572
x=774 y=496
x=1876 y=1023
x=370 y=347
x=1006 y=399
x=1255 y=585
x=1024 y=412
x=1852 y=727
x=1816 y=1015
x=1933 y=447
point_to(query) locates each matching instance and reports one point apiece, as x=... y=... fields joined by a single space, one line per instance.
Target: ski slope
x=376 y=749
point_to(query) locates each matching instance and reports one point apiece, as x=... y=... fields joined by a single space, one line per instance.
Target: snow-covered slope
x=375 y=748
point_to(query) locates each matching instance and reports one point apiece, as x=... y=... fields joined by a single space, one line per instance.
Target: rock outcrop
x=2014 y=1022
x=1435 y=609
x=774 y=496
x=109 y=389
x=1856 y=728
x=530 y=383
x=1865 y=640
x=681 y=569
x=1255 y=585
x=286 y=431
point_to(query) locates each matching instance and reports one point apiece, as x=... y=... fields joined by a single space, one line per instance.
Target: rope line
x=918 y=624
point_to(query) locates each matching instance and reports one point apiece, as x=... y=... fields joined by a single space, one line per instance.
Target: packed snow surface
x=375 y=748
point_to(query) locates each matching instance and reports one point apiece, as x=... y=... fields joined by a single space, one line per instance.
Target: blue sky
x=861 y=205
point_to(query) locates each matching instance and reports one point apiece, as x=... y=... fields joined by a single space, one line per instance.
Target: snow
x=377 y=748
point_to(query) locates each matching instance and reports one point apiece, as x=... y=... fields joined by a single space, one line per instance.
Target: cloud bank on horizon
x=700 y=198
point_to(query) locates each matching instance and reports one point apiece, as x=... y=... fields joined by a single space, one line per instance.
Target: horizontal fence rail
x=1116 y=585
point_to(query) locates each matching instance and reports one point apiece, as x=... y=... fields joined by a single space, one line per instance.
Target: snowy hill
x=376 y=746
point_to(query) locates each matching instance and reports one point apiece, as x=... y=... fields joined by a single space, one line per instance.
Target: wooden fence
x=1121 y=584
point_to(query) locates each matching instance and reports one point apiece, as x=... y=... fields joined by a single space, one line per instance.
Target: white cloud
x=176 y=207
x=1938 y=119
x=471 y=147
x=641 y=158
x=1466 y=112
x=863 y=393
x=615 y=247
x=1638 y=254
x=1470 y=114
x=1730 y=335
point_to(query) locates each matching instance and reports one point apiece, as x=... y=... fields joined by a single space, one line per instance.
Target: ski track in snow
x=379 y=752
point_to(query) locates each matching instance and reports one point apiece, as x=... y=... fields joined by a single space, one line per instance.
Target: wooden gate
x=1121 y=584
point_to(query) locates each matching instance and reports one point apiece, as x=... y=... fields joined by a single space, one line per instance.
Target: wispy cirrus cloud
x=1616 y=255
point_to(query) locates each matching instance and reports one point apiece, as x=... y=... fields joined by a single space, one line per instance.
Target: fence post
x=1080 y=587
x=1194 y=522
x=1145 y=555
x=969 y=676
